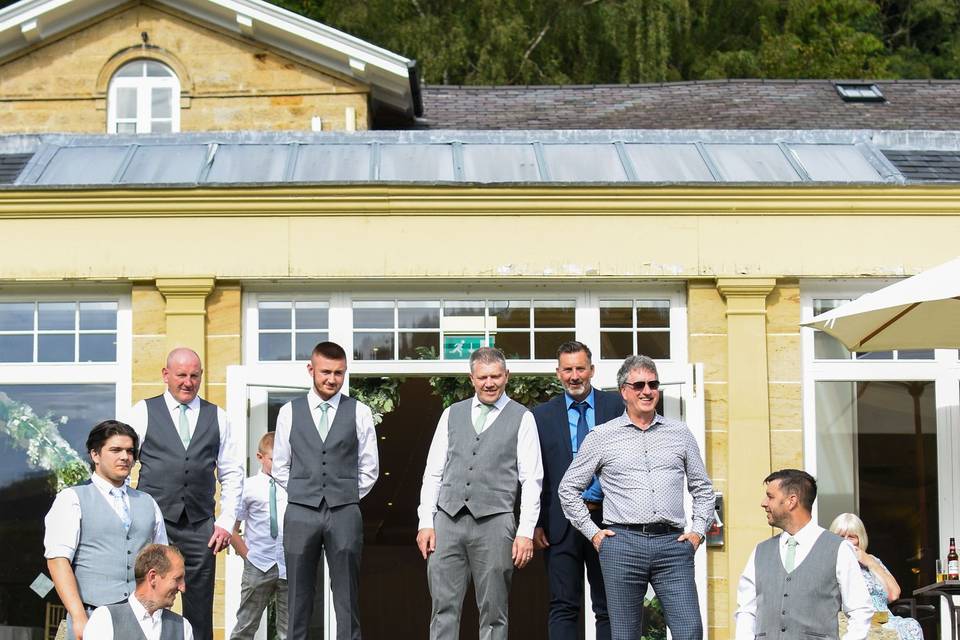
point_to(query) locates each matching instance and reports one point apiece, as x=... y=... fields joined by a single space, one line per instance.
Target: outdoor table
x=947 y=590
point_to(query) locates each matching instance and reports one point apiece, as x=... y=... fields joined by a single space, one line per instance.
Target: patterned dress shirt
x=642 y=475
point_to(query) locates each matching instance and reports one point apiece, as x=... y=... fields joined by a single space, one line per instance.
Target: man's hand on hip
x=694 y=538
x=540 y=541
x=599 y=536
x=220 y=540
x=427 y=542
x=522 y=551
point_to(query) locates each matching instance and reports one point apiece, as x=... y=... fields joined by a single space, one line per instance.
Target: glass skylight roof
x=475 y=157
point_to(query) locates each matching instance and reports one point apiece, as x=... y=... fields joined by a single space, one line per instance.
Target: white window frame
x=143 y=86
x=943 y=370
x=117 y=373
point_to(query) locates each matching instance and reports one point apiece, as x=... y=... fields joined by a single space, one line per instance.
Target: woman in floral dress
x=881 y=583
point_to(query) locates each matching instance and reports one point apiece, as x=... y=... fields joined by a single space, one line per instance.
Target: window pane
x=915 y=354
x=615 y=345
x=126 y=102
x=655 y=344
x=274 y=315
x=835 y=163
x=433 y=162
x=826 y=347
x=510 y=314
x=274 y=346
x=98 y=315
x=161 y=102
x=55 y=348
x=462 y=308
x=653 y=313
x=332 y=163
x=614 y=314
x=313 y=315
x=130 y=70
x=419 y=315
x=126 y=127
x=84 y=165
x=584 y=163
x=16 y=348
x=874 y=355
x=500 y=163
x=752 y=163
x=547 y=314
x=372 y=346
x=668 y=163
x=158 y=70
x=98 y=347
x=419 y=346
x=16 y=316
x=249 y=163
x=516 y=346
x=161 y=126
x=57 y=316
x=373 y=314
x=165 y=164
x=545 y=343
x=463 y=316
x=307 y=341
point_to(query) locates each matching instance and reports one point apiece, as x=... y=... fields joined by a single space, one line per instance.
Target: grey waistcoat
x=103 y=562
x=324 y=469
x=180 y=480
x=126 y=627
x=481 y=470
x=803 y=604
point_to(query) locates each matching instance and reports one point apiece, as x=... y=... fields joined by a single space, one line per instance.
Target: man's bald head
x=183 y=374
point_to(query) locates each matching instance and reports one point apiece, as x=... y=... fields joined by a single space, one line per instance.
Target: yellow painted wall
x=228 y=83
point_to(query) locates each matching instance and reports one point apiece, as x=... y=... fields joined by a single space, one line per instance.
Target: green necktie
x=324 y=427
x=274 y=525
x=184 y=426
x=482 y=417
x=791 y=554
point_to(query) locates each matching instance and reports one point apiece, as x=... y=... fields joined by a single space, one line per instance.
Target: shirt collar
x=104 y=485
x=140 y=612
x=806 y=536
x=625 y=420
x=173 y=403
x=314 y=399
x=589 y=400
x=498 y=405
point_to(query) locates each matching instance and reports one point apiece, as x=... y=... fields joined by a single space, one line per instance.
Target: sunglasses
x=639 y=385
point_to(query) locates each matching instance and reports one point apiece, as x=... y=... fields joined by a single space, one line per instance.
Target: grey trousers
x=257 y=588
x=338 y=533
x=477 y=547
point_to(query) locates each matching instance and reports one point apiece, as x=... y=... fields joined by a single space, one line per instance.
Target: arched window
x=144 y=97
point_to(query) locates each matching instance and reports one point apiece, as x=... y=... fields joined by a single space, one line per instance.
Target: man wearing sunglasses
x=642 y=459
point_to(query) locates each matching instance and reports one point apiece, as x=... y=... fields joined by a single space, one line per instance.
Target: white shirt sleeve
x=368 y=462
x=62 y=526
x=857 y=603
x=281 y=446
x=746 y=615
x=99 y=625
x=159 y=528
x=187 y=630
x=230 y=473
x=530 y=472
x=137 y=418
x=433 y=473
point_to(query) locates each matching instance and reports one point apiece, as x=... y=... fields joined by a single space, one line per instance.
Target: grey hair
x=632 y=363
x=488 y=355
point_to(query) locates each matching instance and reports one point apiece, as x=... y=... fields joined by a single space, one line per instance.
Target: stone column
x=749 y=420
x=186 y=312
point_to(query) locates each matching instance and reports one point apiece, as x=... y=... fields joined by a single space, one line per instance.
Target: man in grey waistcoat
x=325 y=456
x=94 y=530
x=796 y=583
x=185 y=439
x=146 y=614
x=483 y=449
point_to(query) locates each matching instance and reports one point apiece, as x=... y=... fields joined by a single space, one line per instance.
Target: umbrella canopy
x=922 y=312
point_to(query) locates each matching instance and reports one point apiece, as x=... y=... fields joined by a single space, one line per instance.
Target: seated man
x=146 y=614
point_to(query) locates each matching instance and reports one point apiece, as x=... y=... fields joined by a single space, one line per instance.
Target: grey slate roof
x=926 y=166
x=722 y=104
x=11 y=164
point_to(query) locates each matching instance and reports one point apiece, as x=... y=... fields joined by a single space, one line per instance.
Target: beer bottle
x=953 y=565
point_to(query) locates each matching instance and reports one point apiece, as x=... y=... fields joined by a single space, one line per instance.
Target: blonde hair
x=266 y=442
x=850 y=523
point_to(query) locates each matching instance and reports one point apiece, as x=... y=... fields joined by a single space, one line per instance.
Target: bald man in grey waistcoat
x=483 y=449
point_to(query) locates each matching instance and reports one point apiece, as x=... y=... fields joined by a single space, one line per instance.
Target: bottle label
x=953 y=569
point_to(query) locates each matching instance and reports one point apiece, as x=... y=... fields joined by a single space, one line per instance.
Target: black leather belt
x=659 y=528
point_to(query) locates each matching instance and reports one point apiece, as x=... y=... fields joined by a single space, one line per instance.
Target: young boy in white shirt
x=261 y=547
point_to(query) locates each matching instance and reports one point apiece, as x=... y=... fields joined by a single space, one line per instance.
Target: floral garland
x=39 y=437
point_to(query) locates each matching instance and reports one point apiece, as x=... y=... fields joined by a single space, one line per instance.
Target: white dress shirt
x=263 y=551
x=100 y=624
x=368 y=460
x=62 y=523
x=854 y=594
x=230 y=464
x=529 y=466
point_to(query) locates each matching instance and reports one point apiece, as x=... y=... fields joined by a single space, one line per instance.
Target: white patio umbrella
x=922 y=312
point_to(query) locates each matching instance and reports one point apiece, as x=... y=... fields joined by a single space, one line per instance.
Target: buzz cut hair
x=487 y=355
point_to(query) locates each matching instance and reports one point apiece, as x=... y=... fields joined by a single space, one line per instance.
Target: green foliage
x=39 y=437
x=527 y=390
x=620 y=41
x=381 y=394
x=654 y=624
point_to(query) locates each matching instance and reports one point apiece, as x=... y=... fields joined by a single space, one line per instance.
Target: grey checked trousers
x=256 y=589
